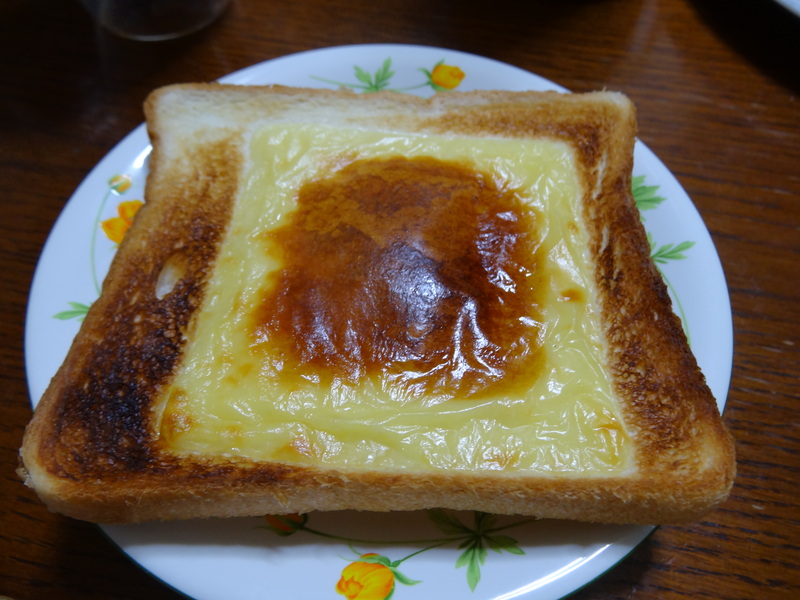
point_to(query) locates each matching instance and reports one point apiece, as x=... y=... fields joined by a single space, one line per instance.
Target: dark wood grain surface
x=716 y=85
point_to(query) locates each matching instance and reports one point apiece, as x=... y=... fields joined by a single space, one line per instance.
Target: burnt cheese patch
x=418 y=271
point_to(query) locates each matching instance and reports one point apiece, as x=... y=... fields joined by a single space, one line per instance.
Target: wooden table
x=716 y=85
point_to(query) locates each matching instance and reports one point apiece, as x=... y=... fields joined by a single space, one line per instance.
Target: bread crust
x=90 y=453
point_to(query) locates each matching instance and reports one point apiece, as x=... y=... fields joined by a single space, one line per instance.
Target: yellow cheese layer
x=230 y=397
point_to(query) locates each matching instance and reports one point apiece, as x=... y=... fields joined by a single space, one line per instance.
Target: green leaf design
x=645 y=195
x=78 y=312
x=473 y=557
x=369 y=82
x=661 y=255
x=500 y=543
x=447 y=523
x=363 y=76
x=464 y=558
x=474 y=541
x=646 y=198
x=667 y=252
x=484 y=521
x=384 y=74
x=404 y=579
x=376 y=559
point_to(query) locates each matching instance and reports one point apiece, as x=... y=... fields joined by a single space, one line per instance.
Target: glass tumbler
x=153 y=20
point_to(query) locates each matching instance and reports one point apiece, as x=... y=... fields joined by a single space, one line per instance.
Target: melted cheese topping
x=230 y=396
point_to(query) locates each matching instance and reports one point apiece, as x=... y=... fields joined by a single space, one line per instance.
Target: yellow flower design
x=120 y=183
x=366 y=580
x=447 y=76
x=285 y=525
x=116 y=227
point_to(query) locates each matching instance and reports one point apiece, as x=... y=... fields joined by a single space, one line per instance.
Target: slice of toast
x=381 y=302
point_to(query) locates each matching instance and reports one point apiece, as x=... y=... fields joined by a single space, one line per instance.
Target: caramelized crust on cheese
x=93 y=452
x=418 y=271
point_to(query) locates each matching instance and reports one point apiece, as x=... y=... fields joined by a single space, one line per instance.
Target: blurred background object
x=153 y=20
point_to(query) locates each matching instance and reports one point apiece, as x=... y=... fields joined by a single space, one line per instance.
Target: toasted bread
x=382 y=302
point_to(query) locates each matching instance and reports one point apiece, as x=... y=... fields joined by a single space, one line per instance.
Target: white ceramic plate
x=239 y=558
x=791 y=5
